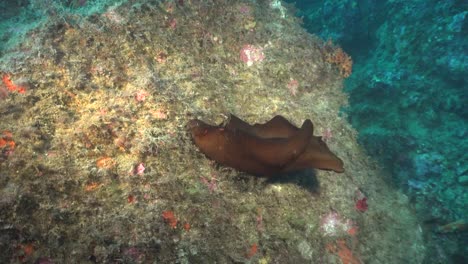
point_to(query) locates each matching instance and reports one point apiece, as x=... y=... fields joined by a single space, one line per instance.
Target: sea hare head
x=209 y=139
x=197 y=127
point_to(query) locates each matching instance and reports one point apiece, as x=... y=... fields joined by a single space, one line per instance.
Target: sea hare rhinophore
x=264 y=149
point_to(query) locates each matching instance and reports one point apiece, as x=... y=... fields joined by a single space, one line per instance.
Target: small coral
x=336 y=56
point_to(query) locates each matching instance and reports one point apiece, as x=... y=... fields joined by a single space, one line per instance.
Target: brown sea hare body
x=264 y=149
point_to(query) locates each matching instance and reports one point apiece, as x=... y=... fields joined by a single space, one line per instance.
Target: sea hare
x=264 y=149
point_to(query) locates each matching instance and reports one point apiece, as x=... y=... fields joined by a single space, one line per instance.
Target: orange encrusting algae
x=11 y=86
x=7 y=144
x=353 y=231
x=28 y=249
x=342 y=250
x=131 y=198
x=253 y=250
x=25 y=251
x=105 y=162
x=92 y=186
x=170 y=218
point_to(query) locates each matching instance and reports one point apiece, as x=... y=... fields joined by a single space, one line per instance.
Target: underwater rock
x=463 y=180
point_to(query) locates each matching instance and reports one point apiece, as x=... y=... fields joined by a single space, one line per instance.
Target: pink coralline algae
x=211 y=184
x=133 y=253
x=114 y=17
x=172 y=23
x=245 y=10
x=259 y=220
x=44 y=260
x=327 y=134
x=361 y=201
x=293 y=85
x=332 y=224
x=361 y=205
x=141 y=95
x=139 y=169
x=250 y=54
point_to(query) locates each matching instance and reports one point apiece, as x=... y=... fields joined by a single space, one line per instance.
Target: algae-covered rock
x=112 y=92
